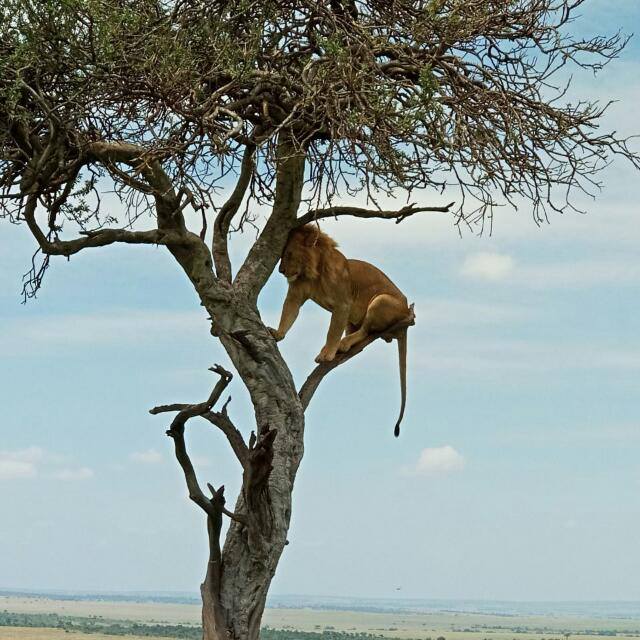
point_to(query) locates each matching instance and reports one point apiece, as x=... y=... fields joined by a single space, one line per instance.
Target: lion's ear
x=312 y=236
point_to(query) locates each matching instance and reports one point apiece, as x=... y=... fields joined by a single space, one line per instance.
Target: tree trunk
x=251 y=552
x=237 y=579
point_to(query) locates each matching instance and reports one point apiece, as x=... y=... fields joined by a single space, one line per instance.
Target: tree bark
x=237 y=579
x=252 y=551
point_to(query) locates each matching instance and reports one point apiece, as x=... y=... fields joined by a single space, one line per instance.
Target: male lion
x=361 y=299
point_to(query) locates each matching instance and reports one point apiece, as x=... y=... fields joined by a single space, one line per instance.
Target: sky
x=516 y=475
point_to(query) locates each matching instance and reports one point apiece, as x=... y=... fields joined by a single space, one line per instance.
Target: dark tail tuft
x=402 y=361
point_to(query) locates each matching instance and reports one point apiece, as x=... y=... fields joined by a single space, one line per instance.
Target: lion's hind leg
x=383 y=312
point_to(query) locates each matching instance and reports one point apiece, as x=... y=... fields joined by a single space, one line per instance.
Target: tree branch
x=99 y=238
x=223 y=422
x=210 y=588
x=220 y=493
x=187 y=411
x=212 y=507
x=316 y=376
x=219 y=419
x=227 y=212
x=357 y=212
x=255 y=485
x=266 y=251
x=149 y=166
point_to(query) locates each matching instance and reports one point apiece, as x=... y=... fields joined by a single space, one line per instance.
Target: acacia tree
x=296 y=105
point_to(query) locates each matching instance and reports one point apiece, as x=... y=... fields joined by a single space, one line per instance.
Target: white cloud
x=82 y=473
x=487 y=266
x=31 y=454
x=624 y=269
x=435 y=460
x=151 y=456
x=11 y=469
x=20 y=464
x=35 y=461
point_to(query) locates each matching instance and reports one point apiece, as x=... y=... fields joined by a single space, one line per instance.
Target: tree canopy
x=378 y=95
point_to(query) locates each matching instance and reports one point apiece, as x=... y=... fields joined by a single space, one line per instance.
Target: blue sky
x=516 y=475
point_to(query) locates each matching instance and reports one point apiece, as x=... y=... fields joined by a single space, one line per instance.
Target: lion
x=361 y=298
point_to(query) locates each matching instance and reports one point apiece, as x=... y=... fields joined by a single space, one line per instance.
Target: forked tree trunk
x=239 y=575
x=235 y=589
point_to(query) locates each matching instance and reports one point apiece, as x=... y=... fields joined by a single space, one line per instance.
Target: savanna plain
x=30 y=617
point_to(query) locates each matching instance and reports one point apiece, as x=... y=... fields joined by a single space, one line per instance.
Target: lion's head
x=304 y=251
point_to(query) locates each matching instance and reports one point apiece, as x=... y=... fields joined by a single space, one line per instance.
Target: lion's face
x=300 y=256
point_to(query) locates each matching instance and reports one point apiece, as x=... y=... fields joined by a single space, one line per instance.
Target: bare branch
x=176 y=431
x=316 y=376
x=187 y=411
x=255 y=484
x=357 y=212
x=99 y=238
x=223 y=422
x=227 y=212
x=219 y=419
x=148 y=165
x=234 y=516
x=210 y=588
x=265 y=253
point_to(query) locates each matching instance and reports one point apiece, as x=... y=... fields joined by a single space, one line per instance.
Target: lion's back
x=369 y=281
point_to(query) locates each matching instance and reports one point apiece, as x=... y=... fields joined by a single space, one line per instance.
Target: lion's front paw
x=326 y=355
x=276 y=334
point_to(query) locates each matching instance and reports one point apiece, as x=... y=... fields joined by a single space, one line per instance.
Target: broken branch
x=213 y=507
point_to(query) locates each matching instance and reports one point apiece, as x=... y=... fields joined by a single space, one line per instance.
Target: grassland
x=148 y=612
x=452 y=626
x=403 y=625
x=29 y=633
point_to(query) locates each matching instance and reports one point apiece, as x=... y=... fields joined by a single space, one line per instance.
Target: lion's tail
x=402 y=356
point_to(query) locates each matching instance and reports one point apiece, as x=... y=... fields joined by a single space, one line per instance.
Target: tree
x=299 y=103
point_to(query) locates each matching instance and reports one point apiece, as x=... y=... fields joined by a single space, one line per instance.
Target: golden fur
x=361 y=298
